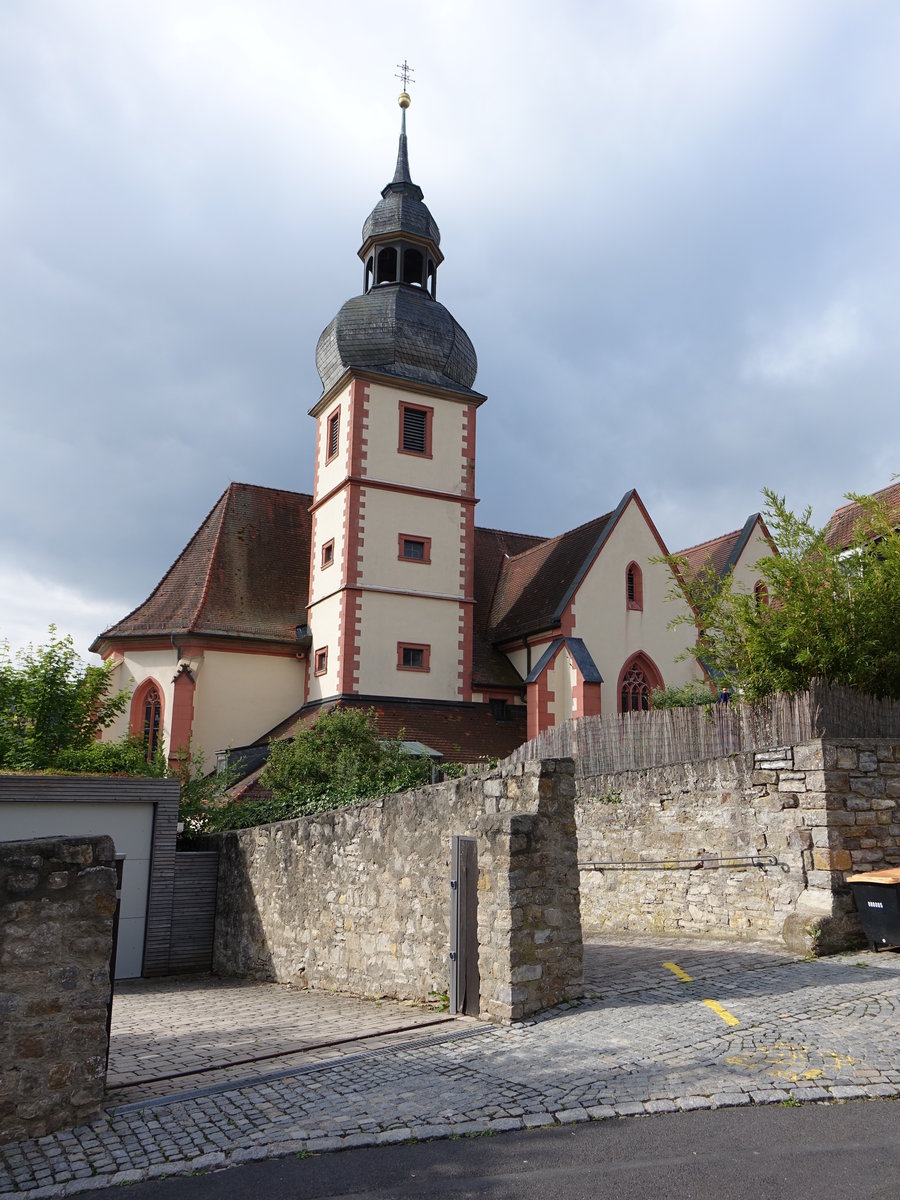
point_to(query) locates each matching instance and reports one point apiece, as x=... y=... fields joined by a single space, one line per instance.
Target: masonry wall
x=358 y=900
x=57 y=899
x=823 y=810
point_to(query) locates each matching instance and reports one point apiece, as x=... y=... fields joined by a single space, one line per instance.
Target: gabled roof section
x=581 y=657
x=841 y=527
x=536 y=585
x=723 y=552
x=493 y=548
x=244 y=573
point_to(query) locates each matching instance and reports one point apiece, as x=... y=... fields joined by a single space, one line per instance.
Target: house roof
x=535 y=585
x=841 y=527
x=244 y=573
x=493 y=548
x=581 y=657
x=722 y=553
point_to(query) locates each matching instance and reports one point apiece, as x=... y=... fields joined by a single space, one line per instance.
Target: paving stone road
x=668 y=1024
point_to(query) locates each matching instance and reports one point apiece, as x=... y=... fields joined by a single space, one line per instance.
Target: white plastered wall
x=325 y=622
x=328 y=526
x=745 y=573
x=240 y=696
x=133 y=670
x=387 y=515
x=329 y=475
x=611 y=631
x=562 y=677
x=443 y=471
x=389 y=619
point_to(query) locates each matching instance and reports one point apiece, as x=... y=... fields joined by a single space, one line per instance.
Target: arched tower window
x=637 y=680
x=146 y=720
x=760 y=593
x=431 y=280
x=370 y=271
x=386 y=265
x=634 y=587
x=413 y=263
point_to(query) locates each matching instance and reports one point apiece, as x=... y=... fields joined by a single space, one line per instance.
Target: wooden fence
x=633 y=741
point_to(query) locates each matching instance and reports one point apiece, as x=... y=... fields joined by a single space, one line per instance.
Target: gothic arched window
x=147 y=716
x=634 y=586
x=637 y=681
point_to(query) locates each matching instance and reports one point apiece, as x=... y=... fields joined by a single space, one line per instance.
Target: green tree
x=51 y=702
x=340 y=760
x=830 y=614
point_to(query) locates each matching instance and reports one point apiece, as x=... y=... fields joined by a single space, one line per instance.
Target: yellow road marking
x=722 y=1012
x=676 y=970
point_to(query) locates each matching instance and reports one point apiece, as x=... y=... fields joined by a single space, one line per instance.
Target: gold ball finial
x=403 y=100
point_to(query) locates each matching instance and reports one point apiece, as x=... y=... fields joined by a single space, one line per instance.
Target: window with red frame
x=634 y=587
x=415 y=429
x=152 y=720
x=322 y=660
x=328 y=553
x=334 y=435
x=760 y=593
x=413 y=656
x=415 y=549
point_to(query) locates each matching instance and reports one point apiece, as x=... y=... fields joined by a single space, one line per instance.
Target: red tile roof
x=244 y=573
x=493 y=548
x=460 y=732
x=841 y=527
x=715 y=553
x=534 y=584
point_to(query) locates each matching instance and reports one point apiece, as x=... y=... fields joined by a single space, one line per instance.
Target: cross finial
x=406 y=74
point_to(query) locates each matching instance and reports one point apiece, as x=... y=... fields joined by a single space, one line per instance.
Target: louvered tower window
x=415 y=430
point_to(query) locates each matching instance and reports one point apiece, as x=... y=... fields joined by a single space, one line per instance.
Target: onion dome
x=397 y=327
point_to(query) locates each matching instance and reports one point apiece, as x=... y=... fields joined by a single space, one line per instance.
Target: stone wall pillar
x=529 y=918
x=57 y=899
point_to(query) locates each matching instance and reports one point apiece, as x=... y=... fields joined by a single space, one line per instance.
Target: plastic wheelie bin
x=877 y=896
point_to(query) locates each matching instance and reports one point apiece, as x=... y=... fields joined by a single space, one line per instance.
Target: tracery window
x=760 y=593
x=152 y=720
x=636 y=690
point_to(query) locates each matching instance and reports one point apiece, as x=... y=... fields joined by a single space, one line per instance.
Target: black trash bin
x=877 y=896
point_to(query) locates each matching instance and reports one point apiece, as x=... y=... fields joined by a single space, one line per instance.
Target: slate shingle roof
x=841 y=527
x=244 y=573
x=398 y=330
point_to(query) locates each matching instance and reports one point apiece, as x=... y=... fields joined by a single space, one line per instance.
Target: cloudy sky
x=671 y=231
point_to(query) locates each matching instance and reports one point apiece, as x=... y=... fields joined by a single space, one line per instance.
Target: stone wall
x=57 y=899
x=823 y=809
x=358 y=900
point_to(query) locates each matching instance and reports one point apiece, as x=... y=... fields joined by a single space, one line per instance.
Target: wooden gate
x=193 y=911
x=464 y=977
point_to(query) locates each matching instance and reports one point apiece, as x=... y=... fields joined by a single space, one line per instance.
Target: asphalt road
x=810 y=1152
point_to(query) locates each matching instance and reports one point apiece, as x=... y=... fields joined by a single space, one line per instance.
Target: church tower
x=392 y=553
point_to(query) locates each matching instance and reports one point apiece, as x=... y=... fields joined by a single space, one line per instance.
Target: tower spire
x=401 y=172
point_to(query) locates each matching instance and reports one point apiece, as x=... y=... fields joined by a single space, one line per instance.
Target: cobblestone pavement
x=194 y=1031
x=669 y=1024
